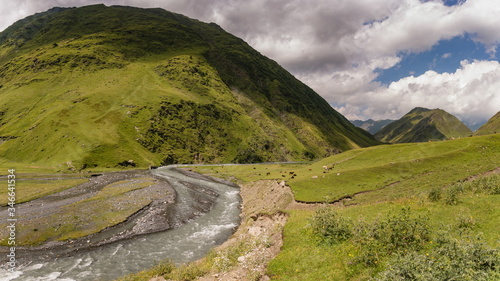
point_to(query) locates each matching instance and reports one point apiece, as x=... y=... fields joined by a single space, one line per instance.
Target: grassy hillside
x=377 y=173
x=424 y=220
x=491 y=127
x=403 y=212
x=421 y=124
x=82 y=88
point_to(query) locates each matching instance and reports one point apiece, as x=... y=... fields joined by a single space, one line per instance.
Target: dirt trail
x=485 y=174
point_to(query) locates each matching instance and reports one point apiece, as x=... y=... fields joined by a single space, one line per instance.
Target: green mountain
x=421 y=125
x=491 y=127
x=372 y=126
x=101 y=86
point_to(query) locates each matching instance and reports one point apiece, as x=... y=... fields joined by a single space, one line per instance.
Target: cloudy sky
x=368 y=58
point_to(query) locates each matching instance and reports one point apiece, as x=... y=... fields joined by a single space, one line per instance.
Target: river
x=187 y=242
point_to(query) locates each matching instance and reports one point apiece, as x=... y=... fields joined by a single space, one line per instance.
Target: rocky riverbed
x=155 y=212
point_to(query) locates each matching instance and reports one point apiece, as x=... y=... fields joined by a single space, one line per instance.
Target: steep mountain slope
x=491 y=127
x=371 y=125
x=422 y=124
x=122 y=86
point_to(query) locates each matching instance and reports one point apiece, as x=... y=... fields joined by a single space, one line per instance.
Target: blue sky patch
x=443 y=57
x=453 y=2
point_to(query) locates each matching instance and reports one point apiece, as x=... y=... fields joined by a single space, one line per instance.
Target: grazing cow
x=328 y=168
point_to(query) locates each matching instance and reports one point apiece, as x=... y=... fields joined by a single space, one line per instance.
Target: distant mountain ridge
x=421 y=125
x=492 y=126
x=371 y=125
x=100 y=86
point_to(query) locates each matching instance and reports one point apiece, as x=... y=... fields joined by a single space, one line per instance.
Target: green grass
x=303 y=258
x=161 y=268
x=32 y=189
x=421 y=125
x=393 y=177
x=99 y=91
x=385 y=172
x=23 y=168
x=491 y=127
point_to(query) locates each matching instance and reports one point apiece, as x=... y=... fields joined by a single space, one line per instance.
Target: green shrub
x=488 y=184
x=452 y=259
x=435 y=194
x=485 y=184
x=465 y=221
x=330 y=227
x=375 y=240
x=452 y=193
x=187 y=272
x=401 y=232
x=160 y=269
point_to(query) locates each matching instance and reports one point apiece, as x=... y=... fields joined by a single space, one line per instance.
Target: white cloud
x=471 y=93
x=336 y=46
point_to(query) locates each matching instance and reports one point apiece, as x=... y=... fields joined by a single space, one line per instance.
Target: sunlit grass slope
x=405 y=212
x=106 y=87
x=380 y=172
x=421 y=125
x=491 y=127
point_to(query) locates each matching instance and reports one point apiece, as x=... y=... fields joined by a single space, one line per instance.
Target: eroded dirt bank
x=262 y=222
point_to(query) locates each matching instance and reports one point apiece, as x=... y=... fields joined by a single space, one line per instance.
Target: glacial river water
x=187 y=242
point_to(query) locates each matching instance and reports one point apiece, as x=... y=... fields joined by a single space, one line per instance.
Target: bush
x=187 y=272
x=452 y=195
x=485 y=184
x=401 y=232
x=488 y=184
x=459 y=260
x=377 y=240
x=330 y=227
x=435 y=194
x=465 y=221
x=162 y=268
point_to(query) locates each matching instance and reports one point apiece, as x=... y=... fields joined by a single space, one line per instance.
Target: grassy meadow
x=437 y=197
x=388 y=171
